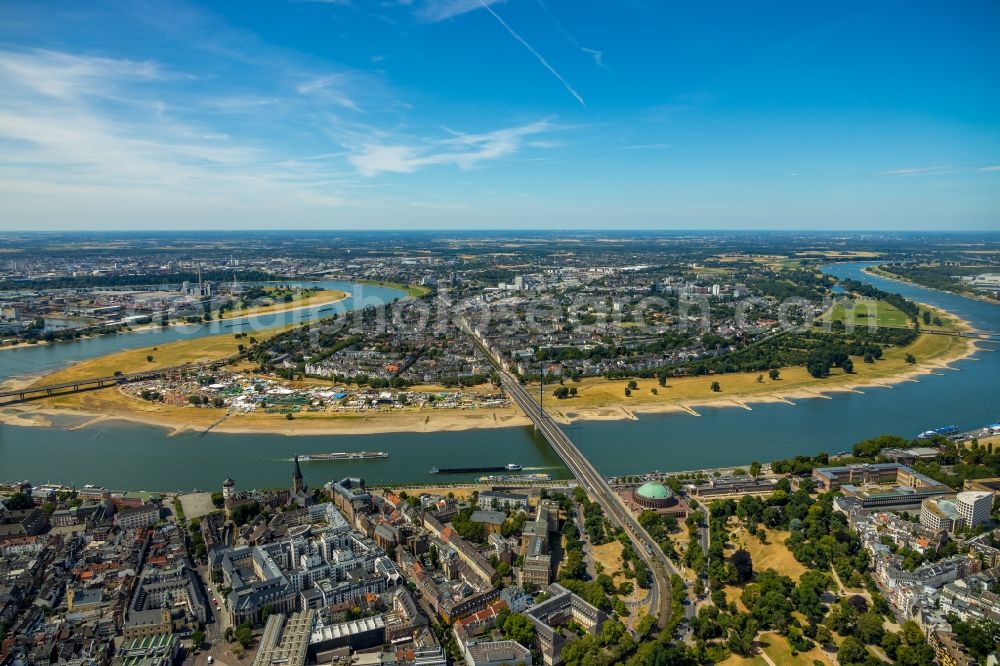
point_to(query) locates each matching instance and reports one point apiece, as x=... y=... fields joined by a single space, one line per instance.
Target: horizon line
x=509 y=231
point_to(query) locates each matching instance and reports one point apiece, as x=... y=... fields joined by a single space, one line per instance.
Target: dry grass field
x=736 y=660
x=772 y=555
x=610 y=557
x=208 y=348
x=600 y=392
x=776 y=647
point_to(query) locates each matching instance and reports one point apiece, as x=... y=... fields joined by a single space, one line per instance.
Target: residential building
x=549 y=615
x=495 y=500
x=135 y=517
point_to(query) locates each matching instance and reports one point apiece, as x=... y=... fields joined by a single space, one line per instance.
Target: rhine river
x=133 y=457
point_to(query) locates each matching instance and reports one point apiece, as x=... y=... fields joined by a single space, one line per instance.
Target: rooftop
x=491 y=517
x=654 y=490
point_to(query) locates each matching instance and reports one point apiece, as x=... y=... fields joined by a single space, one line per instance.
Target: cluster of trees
x=202 y=401
x=929 y=319
x=979 y=637
x=694 y=556
x=795 y=349
x=467 y=529
x=573 y=572
x=18 y=502
x=564 y=392
x=819 y=362
x=820 y=539
x=244 y=513
x=611 y=645
x=906 y=648
x=956 y=464
x=770 y=601
x=516 y=627
x=660 y=527
x=242 y=634
x=593 y=517
x=792 y=283
x=600 y=591
x=197 y=540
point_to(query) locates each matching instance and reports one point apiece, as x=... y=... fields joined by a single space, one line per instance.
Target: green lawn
x=866 y=310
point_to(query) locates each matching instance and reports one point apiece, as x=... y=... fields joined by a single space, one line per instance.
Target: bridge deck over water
x=90 y=384
x=659 y=598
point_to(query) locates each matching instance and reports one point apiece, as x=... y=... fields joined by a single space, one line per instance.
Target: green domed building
x=654 y=495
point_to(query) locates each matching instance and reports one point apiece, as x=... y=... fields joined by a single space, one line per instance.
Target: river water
x=128 y=456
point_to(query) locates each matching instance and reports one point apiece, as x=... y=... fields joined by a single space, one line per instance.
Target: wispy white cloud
x=63 y=75
x=464 y=151
x=937 y=170
x=918 y=171
x=238 y=103
x=648 y=146
x=112 y=135
x=104 y=130
x=331 y=88
x=535 y=53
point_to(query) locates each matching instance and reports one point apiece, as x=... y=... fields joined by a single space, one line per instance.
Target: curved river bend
x=129 y=456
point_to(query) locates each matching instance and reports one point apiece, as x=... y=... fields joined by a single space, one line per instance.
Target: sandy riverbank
x=686 y=394
x=119 y=406
x=790 y=397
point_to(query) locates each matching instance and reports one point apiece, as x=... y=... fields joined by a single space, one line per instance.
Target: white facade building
x=974 y=506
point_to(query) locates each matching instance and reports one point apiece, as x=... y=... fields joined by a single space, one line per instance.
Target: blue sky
x=499 y=114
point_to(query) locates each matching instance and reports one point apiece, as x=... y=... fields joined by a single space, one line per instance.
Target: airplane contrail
x=536 y=54
x=598 y=56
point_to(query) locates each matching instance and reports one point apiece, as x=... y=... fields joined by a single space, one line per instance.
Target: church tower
x=297 y=479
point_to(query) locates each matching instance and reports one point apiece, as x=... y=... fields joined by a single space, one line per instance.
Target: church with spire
x=299 y=493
